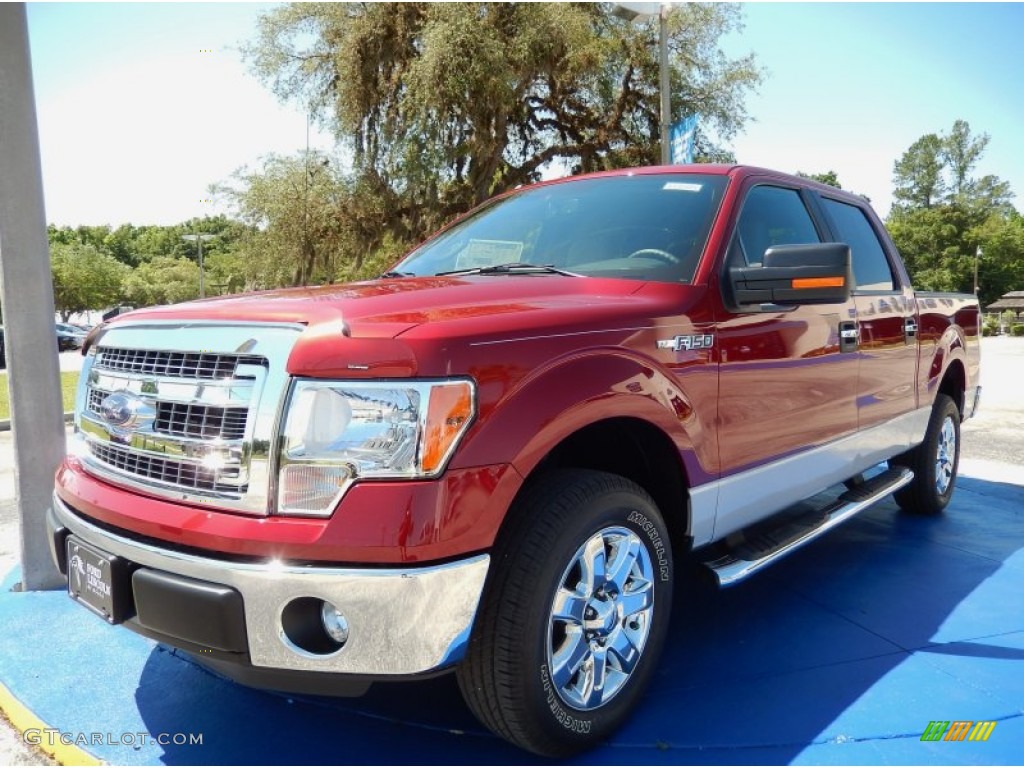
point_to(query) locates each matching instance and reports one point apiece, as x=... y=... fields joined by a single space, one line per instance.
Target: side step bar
x=768 y=546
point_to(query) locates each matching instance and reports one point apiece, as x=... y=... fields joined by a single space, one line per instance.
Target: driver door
x=786 y=388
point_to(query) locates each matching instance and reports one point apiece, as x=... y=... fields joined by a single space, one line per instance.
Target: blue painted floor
x=842 y=654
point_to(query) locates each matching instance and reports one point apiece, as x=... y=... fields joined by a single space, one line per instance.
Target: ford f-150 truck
x=492 y=458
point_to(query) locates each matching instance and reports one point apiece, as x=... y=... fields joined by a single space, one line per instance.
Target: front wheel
x=574 y=615
x=934 y=462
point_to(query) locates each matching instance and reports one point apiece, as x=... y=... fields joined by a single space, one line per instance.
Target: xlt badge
x=693 y=341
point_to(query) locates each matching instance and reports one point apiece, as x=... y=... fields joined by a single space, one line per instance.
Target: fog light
x=335 y=625
x=314 y=626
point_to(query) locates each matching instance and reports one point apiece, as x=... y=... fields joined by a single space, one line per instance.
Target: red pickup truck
x=493 y=458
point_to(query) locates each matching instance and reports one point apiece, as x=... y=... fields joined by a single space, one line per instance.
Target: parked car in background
x=70 y=337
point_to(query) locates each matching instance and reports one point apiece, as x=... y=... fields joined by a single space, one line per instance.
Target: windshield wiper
x=511 y=268
x=396 y=274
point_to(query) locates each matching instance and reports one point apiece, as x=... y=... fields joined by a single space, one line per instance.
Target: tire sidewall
x=557 y=719
x=945 y=408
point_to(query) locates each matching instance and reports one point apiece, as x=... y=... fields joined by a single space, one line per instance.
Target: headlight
x=336 y=432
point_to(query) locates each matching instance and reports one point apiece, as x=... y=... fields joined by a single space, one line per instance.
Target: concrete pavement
x=997 y=432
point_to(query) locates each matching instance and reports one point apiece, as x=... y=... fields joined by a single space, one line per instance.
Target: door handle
x=848 y=336
x=909 y=329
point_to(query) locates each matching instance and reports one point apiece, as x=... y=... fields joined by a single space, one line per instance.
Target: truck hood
x=378 y=322
x=387 y=308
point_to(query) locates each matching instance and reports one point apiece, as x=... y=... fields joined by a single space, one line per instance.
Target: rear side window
x=871 y=268
x=772 y=216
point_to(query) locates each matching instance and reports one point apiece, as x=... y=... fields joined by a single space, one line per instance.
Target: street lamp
x=977 y=256
x=643 y=12
x=199 y=239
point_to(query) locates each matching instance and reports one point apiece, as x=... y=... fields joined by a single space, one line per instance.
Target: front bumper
x=403 y=621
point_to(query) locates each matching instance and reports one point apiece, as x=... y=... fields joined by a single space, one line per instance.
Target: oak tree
x=442 y=105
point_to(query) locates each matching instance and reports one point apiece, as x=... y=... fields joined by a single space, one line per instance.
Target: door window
x=772 y=216
x=871 y=270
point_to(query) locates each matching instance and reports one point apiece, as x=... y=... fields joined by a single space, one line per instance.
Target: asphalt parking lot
x=842 y=654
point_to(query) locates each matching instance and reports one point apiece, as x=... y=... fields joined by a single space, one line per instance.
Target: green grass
x=68 y=384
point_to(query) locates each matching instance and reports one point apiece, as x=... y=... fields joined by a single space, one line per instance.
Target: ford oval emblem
x=125 y=409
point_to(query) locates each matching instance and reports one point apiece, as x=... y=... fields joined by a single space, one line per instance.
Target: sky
x=142 y=107
x=850 y=86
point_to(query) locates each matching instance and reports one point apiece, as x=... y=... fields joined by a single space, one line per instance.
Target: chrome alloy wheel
x=600 y=618
x=945 y=456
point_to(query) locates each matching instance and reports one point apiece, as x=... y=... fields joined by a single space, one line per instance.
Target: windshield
x=644 y=227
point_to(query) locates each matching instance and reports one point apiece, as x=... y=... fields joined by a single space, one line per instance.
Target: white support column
x=26 y=289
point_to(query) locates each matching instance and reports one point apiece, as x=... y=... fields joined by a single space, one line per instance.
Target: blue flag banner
x=683 y=135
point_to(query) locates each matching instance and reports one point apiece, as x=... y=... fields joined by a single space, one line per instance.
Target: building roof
x=1011 y=300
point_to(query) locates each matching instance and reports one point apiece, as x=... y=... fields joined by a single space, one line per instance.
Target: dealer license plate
x=91 y=579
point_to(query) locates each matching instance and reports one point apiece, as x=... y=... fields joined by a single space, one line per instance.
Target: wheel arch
x=947 y=373
x=637 y=450
x=954 y=384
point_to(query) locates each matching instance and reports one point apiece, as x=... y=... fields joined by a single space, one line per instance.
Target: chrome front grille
x=187 y=411
x=170 y=364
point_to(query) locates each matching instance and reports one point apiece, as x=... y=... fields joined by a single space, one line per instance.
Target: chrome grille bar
x=205 y=421
x=178 y=473
x=188 y=420
x=171 y=364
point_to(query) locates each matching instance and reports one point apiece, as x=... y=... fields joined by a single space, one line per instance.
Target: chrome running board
x=763 y=546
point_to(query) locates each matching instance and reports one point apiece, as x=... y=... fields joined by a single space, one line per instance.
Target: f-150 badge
x=694 y=341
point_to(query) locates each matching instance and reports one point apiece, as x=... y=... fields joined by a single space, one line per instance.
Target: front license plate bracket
x=98 y=581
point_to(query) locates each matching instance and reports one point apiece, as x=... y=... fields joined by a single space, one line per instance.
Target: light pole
x=199 y=240
x=666 y=107
x=643 y=12
x=977 y=257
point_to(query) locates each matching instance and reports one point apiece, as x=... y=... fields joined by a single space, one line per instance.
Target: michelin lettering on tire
x=567 y=721
x=651 y=531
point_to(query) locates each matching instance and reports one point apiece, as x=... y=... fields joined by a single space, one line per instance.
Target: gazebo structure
x=1013 y=301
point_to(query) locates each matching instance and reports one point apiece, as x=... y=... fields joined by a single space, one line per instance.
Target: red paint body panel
x=376 y=522
x=950 y=327
x=551 y=355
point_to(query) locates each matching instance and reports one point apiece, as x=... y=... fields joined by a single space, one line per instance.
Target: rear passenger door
x=886 y=319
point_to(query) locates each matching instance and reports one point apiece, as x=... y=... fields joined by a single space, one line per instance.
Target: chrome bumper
x=402 y=621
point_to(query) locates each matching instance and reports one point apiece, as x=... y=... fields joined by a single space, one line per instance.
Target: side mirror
x=818 y=273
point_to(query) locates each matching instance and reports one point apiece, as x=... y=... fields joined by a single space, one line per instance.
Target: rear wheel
x=934 y=462
x=574 y=615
